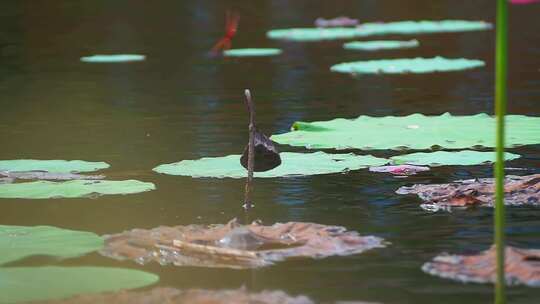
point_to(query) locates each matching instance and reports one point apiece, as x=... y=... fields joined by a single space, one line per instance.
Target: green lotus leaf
x=446 y=158
x=72 y=189
x=377 y=28
x=113 y=58
x=405 y=66
x=293 y=164
x=23 y=284
x=251 y=52
x=53 y=166
x=380 y=45
x=18 y=242
x=415 y=131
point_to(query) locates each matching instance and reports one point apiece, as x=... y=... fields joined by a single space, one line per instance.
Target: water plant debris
x=416 y=131
x=234 y=245
x=407 y=65
x=404 y=170
x=522 y=267
x=519 y=190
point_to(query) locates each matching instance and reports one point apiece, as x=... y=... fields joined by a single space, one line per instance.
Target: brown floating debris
x=234 y=245
x=168 y=295
x=401 y=170
x=45 y=175
x=519 y=190
x=522 y=266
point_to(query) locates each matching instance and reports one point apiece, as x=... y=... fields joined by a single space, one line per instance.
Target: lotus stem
x=251 y=150
x=500 y=109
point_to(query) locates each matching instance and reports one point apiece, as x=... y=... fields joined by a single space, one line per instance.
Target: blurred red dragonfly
x=231 y=25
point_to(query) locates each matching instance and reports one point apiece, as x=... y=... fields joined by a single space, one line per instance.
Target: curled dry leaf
x=234 y=245
x=519 y=190
x=522 y=266
x=161 y=295
x=400 y=169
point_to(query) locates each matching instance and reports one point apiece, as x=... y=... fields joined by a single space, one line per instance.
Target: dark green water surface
x=182 y=104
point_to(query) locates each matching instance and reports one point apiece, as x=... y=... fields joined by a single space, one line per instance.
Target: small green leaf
x=415 y=131
x=404 y=66
x=18 y=242
x=72 y=189
x=53 y=166
x=113 y=58
x=380 y=45
x=252 y=52
x=292 y=164
x=22 y=284
x=445 y=158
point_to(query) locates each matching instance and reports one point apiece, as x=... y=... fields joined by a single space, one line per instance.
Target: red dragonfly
x=231 y=25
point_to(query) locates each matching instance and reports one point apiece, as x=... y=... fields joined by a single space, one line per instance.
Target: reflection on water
x=181 y=104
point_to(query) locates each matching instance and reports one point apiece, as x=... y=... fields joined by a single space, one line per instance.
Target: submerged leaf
x=72 y=189
x=415 y=131
x=377 y=28
x=446 y=158
x=22 y=284
x=522 y=266
x=113 y=58
x=51 y=166
x=380 y=45
x=251 y=52
x=293 y=164
x=18 y=242
x=234 y=245
x=405 y=66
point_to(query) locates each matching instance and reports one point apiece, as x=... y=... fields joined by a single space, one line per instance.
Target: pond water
x=182 y=104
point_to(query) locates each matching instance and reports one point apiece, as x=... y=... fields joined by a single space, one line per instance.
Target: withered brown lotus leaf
x=234 y=245
x=522 y=266
x=519 y=190
x=169 y=295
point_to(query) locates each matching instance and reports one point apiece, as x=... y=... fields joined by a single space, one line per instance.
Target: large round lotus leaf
x=53 y=166
x=18 y=242
x=377 y=28
x=380 y=45
x=251 y=52
x=22 y=284
x=113 y=58
x=405 y=66
x=72 y=189
x=291 y=164
x=415 y=131
x=445 y=158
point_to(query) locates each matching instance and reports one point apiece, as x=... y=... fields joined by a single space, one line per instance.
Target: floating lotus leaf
x=446 y=158
x=44 y=175
x=113 y=58
x=415 y=131
x=51 y=166
x=519 y=190
x=380 y=45
x=18 y=242
x=405 y=66
x=292 y=164
x=521 y=267
x=377 y=28
x=72 y=189
x=251 y=52
x=234 y=245
x=169 y=295
x=22 y=284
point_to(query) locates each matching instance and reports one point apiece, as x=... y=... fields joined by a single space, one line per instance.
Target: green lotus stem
x=500 y=109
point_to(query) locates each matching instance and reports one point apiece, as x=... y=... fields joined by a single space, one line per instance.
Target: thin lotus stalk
x=251 y=150
x=500 y=109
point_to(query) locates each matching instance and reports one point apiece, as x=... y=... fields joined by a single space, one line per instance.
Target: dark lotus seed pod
x=266 y=154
